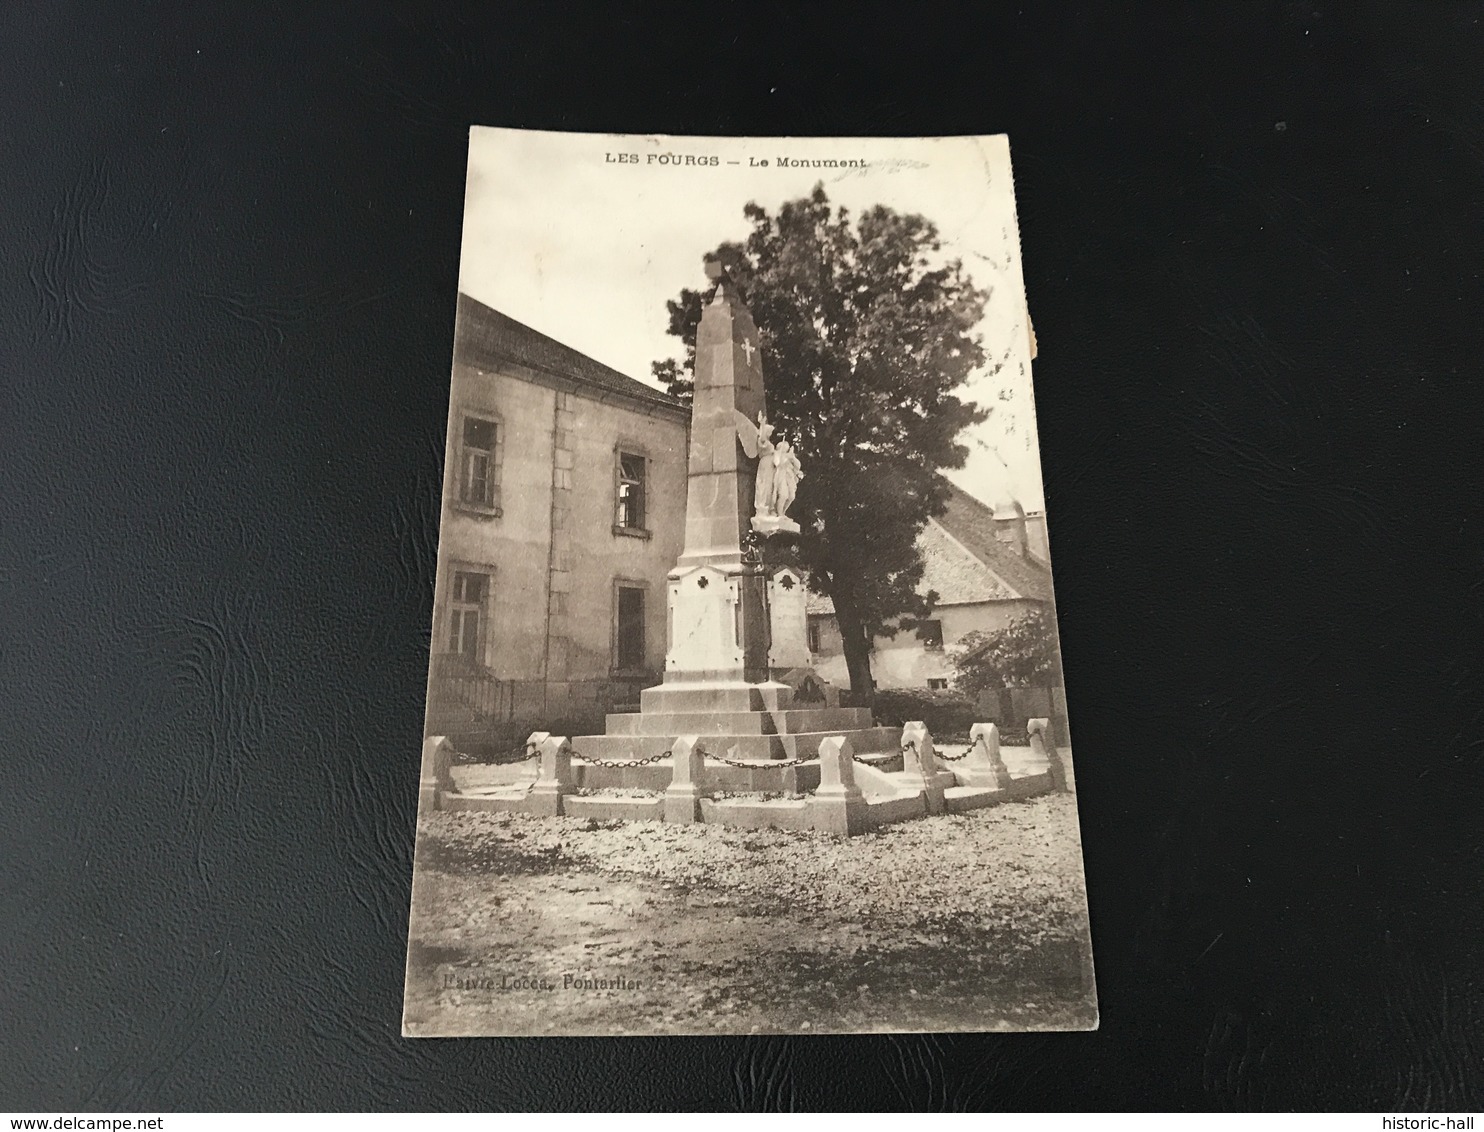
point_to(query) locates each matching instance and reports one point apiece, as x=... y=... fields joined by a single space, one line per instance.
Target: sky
x=564 y=235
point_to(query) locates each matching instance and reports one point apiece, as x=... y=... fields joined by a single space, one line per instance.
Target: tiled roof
x=958 y=577
x=972 y=524
x=964 y=561
x=483 y=337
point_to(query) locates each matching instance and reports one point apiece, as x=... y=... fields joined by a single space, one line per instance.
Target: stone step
x=725 y=697
x=961 y=799
x=788 y=722
x=899 y=807
x=506 y=802
x=879 y=779
x=804 y=744
x=717 y=776
x=881 y=744
x=614 y=807
x=749 y=813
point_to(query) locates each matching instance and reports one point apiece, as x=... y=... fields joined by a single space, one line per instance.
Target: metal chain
x=504 y=758
x=772 y=764
x=620 y=764
x=614 y=764
x=967 y=751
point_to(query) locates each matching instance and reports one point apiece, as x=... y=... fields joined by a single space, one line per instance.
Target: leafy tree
x=1023 y=653
x=865 y=333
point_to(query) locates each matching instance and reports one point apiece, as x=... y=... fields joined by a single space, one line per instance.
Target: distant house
x=563 y=511
x=988 y=565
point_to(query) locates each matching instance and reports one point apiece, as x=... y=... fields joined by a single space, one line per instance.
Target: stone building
x=988 y=566
x=563 y=511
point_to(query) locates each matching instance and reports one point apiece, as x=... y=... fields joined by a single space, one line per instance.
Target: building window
x=814 y=635
x=930 y=633
x=466 y=615
x=938 y=684
x=479 y=463
x=631 y=485
x=630 y=631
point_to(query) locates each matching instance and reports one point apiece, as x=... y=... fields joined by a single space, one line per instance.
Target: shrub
x=1023 y=653
x=945 y=712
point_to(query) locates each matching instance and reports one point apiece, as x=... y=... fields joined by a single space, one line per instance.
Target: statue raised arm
x=757 y=442
x=778 y=475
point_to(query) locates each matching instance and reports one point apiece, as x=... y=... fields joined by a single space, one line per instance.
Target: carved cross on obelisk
x=719 y=621
x=719 y=489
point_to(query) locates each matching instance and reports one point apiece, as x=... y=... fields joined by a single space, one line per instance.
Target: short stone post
x=1043 y=745
x=919 y=758
x=555 y=780
x=683 y=798
x=837 y=806
x=920 y=764
x=984 y=766
x=534 y=741
x=437 y=772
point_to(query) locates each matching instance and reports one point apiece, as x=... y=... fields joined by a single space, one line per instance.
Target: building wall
x=601 y=557
x=553 y=554
x=904 y=661
x=511 y=546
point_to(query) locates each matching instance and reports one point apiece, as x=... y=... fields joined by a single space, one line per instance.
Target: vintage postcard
x=745 y=707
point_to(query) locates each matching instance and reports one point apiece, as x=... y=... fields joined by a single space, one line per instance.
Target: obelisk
x=728 y=380
x=723 y=685
x=717 y=591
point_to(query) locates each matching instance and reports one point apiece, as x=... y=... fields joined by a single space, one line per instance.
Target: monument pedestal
x=734 y=721
x=766 y=525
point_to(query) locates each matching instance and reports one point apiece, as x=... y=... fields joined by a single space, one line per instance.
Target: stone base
x=509 y=801
x=838 y=816
x=715 y=776
x=745 y=813
x=614 y=809
x=981 y=778
x=700 y=695
x=839 y=774
x=768 y=525
x=729 y=719
x=789 y=721
x=883 y=811
x=546 y=801
x=960 y=799
x=682 y=805
x=730 y=744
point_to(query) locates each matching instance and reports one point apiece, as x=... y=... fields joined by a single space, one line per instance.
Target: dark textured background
x=1253 y=237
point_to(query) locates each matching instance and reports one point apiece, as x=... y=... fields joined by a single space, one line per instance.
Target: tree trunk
x=857 y=649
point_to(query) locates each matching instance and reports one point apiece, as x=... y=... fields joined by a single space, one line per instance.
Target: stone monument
x=735 y=627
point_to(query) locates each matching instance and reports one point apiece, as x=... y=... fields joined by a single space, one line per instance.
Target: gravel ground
x=965 y=922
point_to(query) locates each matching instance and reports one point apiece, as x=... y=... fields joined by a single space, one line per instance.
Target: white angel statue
x=778 y=475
